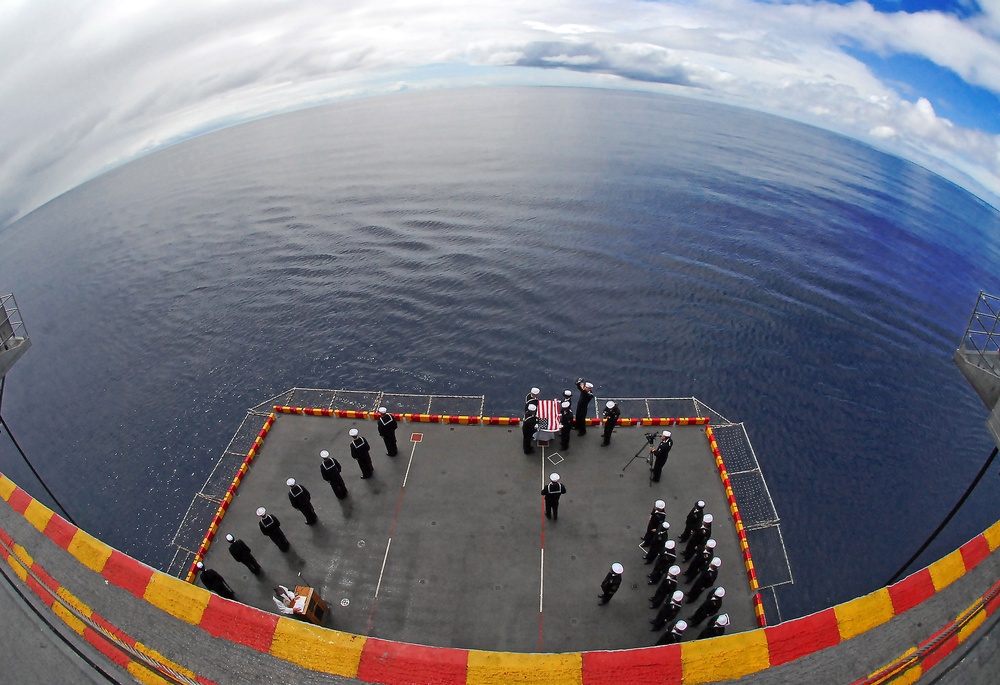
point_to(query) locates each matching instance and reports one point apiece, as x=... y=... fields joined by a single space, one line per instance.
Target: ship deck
x=447 y=544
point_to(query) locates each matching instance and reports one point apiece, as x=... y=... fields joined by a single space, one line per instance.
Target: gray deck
x=465 y=534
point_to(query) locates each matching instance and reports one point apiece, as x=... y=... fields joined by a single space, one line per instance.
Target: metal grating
x=756 y=507
x=735 y=447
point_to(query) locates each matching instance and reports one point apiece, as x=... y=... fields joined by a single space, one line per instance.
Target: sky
x=88 y=86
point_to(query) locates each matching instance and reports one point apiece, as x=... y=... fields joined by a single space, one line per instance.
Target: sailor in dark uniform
x=586 y=395
x=271 y=527
x=710 y=607
x=329 y=468
x=656 y=517
x=567 y=396
x=666 y=587
x=696 y=542
x=693 y=520
x=387 y=429
x=552 y=491
x=301 y=500
x=531 y=398
x=668 y=611
x=611 y=415
x=241 y=552
x=214 y=581
x=701 y=559
x=565 y=424
x=706 y=579
x=660 y=454
x=659 y=543
x=528 y=427
x=716 y=627
x=611 y=583
x=361 y=453
x=674 y=635
x=664 y=561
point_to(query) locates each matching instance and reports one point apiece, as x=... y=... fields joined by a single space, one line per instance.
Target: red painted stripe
x=19 y=500
x=934 y=657
x=652 y=666
x=101 y=644
x=117 y=632
x=46 y=579
x=127 y=573
x=60 y=531
x=974 y=551
x=789 y=641
x=40 y=590
x=239 y=623
x=911 y=591
x=395 y=663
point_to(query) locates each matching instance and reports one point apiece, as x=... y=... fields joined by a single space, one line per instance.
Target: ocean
x=482 y=241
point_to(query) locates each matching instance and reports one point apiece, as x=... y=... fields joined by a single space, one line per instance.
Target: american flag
x=548 y=415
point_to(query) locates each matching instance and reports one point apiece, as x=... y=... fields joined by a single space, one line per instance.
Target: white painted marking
x=379 y=585
x=409 y=463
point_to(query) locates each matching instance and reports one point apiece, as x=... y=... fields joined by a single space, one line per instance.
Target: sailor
x=271 y=527
x=552 y=491
x=710 y=607
x=668 y=611
x=697 y=541
x=531 y=398
x=611 y=582
x=387 y=429
x=361 y=453
x=660 y=454
x=701 y=559
x=659 y=543
x=611 y=415
x=565 y=424
x=693 y=520
x=667 y=587
x=706 y=521
x=241 y=553
x=586 y=395
x=706 y=579
x=664 y=561
x=329 y=468
x=528 y=427
x=301 y=500
x=674 y=635
x=716 y=627
x=567 y=396
x=214 y=581
x=656 y=517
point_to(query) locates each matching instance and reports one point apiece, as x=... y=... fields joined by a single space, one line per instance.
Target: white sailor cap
x=681 y=626
x=674 y=571
x=665 y=434
x=617 y=568
x=290 y=482
x=535 y=391
x=720 y=592
x=200 y=565
x=708 y=518
x=610 y=404
x=700 y=504
x=567 y=393
x=665 y=525
x=722 y=620
x=670 y=545
x=710 y=543
x=261 y=511
x=554 y=477
x=323 y=454
x=353 y=432
x=660 y=504
x=229 y=537
x=677 y=596
x=588 y=386
x=532 y=407
x=565 y=404
x=716 y=562
x=382 y=410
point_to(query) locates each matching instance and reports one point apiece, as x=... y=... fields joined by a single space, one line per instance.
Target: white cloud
x=86 y=87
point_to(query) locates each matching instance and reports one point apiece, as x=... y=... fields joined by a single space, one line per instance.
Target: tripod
x=648 y=459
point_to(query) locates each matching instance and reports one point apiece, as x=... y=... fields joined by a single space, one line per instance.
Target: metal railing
x=12 y=329
x=981 y=342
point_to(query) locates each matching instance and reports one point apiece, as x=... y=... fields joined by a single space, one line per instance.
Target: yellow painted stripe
x=22 y=555
x=947 y=570
x=500 y=668
x=318 y=649
x=710 y=661
x=37 y=514
x=69 y=598
x=21 y=572
x=976 y=621
x=89 y=551
x=992 y=535
x=69 y=618
x=6 y=487
x=164 y=661
x=183 y=600
x=146 y=676
x=864 y=613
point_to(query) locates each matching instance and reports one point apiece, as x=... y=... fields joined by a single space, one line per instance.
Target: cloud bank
x=85 y=87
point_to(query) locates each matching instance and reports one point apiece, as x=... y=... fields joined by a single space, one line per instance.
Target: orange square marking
x=416 y=437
